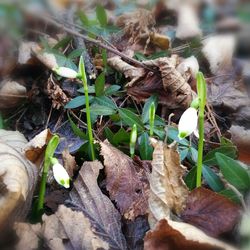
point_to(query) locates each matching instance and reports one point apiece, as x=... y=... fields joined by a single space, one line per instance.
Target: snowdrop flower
x=66 y=72
x=60 y=174
x=188 y=123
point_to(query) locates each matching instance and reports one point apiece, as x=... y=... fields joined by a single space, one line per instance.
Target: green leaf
x=212 y=179
x=75 y=53
x=183 y=153
x=96 y=109
x=101 y=15
x=105 y=101
x=210 y=158
x=231 y=195
x=121 y=136
x=130 y=118
x=99 y=84
x=105 y=59
x=111 y=89
x=190 y=178
x=63 y=43
x=76 y=130
x=91 y=89
x=173 y=135
x=145 y=111
x=84 y=19
x=77 y=102
x=109 y=135
x=145 y=149
x=233 y=172
x=1 y=122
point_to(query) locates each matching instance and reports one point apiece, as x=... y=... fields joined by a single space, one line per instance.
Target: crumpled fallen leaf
x=11 y=94
x=17 y=178
x=189 y=67
x=168 y=192
x=35 y=147
x=126 y=182
x=172 y=235
x=211 y=212
x=87 y=197
x=66 y=229
x=69 y=162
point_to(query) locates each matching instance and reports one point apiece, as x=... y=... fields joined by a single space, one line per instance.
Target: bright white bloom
x=66 y=72
x=60 y=174
x=188 y=123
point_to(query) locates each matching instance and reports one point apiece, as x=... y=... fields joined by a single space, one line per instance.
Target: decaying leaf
x=126 y=182
x=17 y=178
x=169 y=235
x=168 y=192
x=188 y=67
x=128 y=70
x=211 y=212
x=11 y=94
x=174 y=91
x=69 y=162
x=25 y=52
x=87 y=197
x=66 y=229
x=35 y=148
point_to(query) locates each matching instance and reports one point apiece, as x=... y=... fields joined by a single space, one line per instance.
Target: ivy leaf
x=233 y=172
x=145 y=149
x=130 y=118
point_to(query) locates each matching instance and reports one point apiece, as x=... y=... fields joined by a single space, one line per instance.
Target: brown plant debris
x=169 y=235
x=168 y=192
x=17 y=179
x=104 y=218
x=211 y=212
x=126 y=182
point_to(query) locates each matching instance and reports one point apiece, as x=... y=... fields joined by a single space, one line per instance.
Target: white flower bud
x=188 y=123
x=66 y=72
x=60 y=174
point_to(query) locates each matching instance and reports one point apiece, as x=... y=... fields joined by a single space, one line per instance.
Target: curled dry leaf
x=87 y=197
x=126 y=182
x=174 y=90
x=69 y=162
x=35 y=148
x=188 y=67
x=17 y=178
x=168 y=192
x=11 y=94
x=171 y=235
x=211 y=212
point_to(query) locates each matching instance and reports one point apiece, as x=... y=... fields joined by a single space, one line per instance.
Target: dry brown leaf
x=17 y=178
x=28 y=235
x=168 y=192
x=87 y=197
x=126 y=182
x=35 y=148
x=11 y=94
x=171 y=235
x=211 y=212
x=71 y=230
x=69 y=162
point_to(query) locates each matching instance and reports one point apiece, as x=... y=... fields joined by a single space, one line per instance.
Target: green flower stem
x=151 y=118
x=49 y=152
x=86 y=92
x=133 y=138
x=201 y=89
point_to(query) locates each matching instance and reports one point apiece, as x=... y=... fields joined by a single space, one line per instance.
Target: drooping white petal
x=60 y=174
x=66 y=72
x=188 y=123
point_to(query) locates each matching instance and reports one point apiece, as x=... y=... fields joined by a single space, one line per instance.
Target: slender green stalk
x=151 y=118
x=49 y=152
x=201 y=89
x=133 y=138
x=86 y=93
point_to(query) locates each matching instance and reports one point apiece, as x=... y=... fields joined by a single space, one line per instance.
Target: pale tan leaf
x=168 y=192
x=17 y=178
x=69 y=162
x=11 y=94
x=169 y=235
x=68 y=229
x=126 y=182
x=87 y=197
